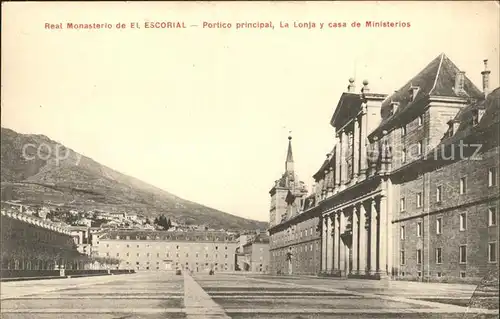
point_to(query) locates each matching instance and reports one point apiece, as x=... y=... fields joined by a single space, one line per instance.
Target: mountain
x=78 y=182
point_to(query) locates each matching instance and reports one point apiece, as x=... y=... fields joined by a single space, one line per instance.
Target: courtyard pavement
x=151 y=295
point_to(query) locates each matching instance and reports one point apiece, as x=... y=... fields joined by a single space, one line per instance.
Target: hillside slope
x=80 y=182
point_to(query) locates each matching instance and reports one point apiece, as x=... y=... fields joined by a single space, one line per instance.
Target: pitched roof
x=169 y=236
x=436 y=79
x=466 y=127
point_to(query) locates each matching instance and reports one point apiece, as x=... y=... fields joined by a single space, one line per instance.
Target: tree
x=163 y=222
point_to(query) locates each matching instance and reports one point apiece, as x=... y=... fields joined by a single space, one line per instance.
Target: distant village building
x=410 y=188
x=256 y=254
x=161 y=250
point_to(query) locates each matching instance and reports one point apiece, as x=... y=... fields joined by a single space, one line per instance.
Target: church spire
x=289 y=156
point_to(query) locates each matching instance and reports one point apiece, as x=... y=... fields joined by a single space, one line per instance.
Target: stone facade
x=160 y=250
x=294 y=234
x=256 y=254
x=404 y=194
x=31 y=243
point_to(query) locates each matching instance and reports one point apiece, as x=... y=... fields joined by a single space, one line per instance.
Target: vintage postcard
x=298 y=160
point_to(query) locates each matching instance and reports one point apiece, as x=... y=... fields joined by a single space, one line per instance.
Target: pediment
x=348 y=107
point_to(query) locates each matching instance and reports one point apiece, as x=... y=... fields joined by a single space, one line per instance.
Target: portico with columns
x=355 y=215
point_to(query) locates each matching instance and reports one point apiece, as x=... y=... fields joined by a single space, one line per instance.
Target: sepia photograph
x=250 y=159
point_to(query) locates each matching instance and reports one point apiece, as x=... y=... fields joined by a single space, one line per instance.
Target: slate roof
x=436 y=79
x=326 y=163
x=466 y=127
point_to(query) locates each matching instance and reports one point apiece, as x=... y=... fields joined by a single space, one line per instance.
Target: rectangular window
x=419 y=274
x=492 y=176
x=463 y=254
x=419 y=148
x=403 y=156
x=439 y=225
x=439 y=194
x=402 y=232
x=419 y=229
x=463 y=185
x=419 y=256
x=462 y=274
x=402 y=204
x=402 y=257
x=492 y=252
x=403 y=130
x=420 y=120
x=439 y=274
x=419 y=199
x=463 y=221
x=439 y=255
x=492 y=216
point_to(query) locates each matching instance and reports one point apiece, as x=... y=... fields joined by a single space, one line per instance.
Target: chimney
x=351 y=87
x=486 y=79
x=459 y=82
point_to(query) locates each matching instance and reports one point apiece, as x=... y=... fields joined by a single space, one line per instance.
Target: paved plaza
x=154 y=295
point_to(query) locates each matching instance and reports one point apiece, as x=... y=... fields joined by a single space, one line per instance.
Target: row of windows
x=177 y=264
x=439 y=274
x=492 y=221
x=302 y=248
x=168 y=237
x=167 y=255
x=420 y=122
x=283 y=237
x=462 y=257
x=168 y=247
x=492 y=172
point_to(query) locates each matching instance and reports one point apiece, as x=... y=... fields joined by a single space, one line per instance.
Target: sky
x=204 y=113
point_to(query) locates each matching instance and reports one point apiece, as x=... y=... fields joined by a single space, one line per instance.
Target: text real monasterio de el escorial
x=229 y=25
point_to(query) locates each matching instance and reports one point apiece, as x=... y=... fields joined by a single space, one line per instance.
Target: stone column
x=363 y=253
x=323 y=244
x=337 y=241
x=373 y=237
x=382 y=211
x=343 y=164
x=356 y=149
x=390 y=228
x=342 y=248
x=329 y=261
x=355 y=234
x=363 y=146
x=338 y=154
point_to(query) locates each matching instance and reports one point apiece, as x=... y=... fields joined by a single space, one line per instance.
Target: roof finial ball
x=289 y=137
x=351 y=87
x=365 y=88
